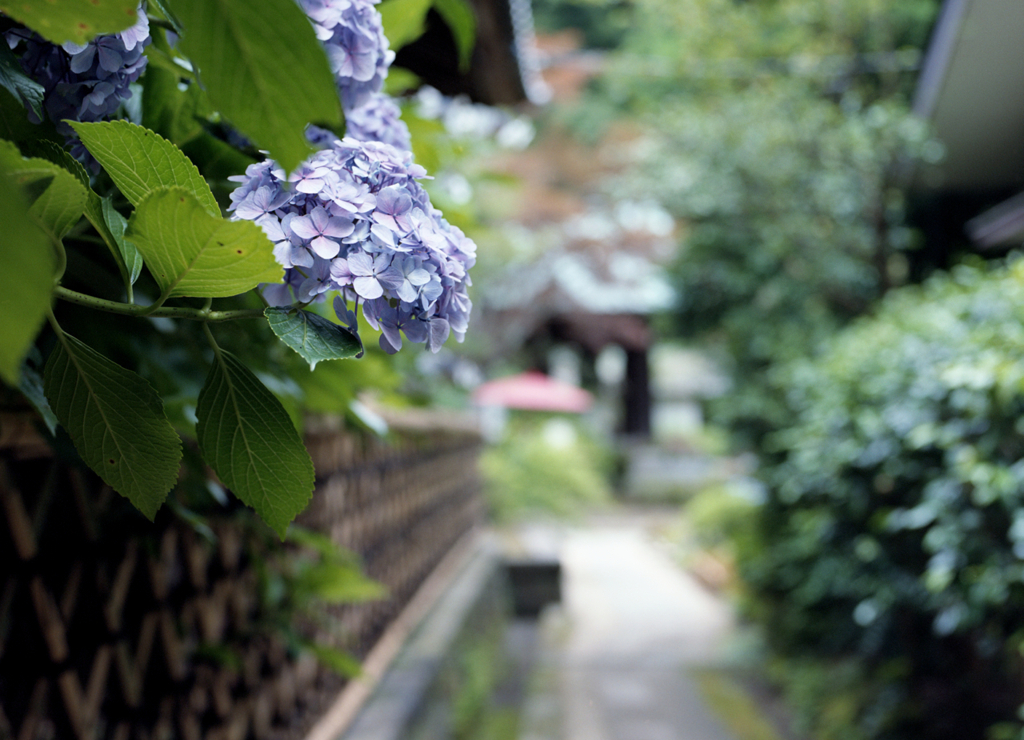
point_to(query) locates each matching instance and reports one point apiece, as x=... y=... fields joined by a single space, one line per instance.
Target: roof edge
x=939 y=56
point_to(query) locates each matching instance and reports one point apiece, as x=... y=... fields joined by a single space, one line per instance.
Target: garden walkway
x=615 y=657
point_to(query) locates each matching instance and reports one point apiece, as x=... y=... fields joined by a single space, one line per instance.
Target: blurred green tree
x=778 y=133
x=602 y=24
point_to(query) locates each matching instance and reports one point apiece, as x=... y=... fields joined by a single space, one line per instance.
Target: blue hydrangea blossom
x=378 y=120
x=354 y=219
x=353 y=36
x=82 y=82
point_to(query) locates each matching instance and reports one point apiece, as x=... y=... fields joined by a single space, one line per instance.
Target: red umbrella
x=534 y=391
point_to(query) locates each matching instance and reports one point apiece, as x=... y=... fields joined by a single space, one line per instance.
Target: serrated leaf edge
x=83 y=378
x=221 y=365
x=307 y=321
x=203 y=195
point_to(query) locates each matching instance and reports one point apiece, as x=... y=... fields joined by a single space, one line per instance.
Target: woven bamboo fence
x=115 y=627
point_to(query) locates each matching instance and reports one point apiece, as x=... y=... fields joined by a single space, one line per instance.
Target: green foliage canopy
x=778 y=134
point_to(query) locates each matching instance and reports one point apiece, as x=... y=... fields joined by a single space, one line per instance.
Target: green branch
x=170 y=312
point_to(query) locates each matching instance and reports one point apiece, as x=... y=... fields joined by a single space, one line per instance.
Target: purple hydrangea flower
x=82 y=82
x=321 y=138
x=379 y=119
x=417 y=326
x=353 y=36
x=354 y=219
x=263 y=201
x=394 y=209
x=318 y=282
x=318 y=227
x=371 y=274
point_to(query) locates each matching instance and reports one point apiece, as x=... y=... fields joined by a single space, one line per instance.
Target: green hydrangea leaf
x=338 y=583
x=139 y=161
x=26 y=282
x=109 y=224
x=51 y=151
x=116 y=225
x=191 y=253
x=14 y=123
x=19 y=84
x=116 y=421
x=461 y=19
x=404 y=20
x=264 y=71
x=247 y=437
x=400 y=81
x=159 y=8
x=73 y=20
x=31 y=386
x=312 y=336
x=339 y=661
x=57 y=196
x=220 y=159
x=174 y=113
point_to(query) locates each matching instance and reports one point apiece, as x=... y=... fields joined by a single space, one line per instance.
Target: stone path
x=613 y=658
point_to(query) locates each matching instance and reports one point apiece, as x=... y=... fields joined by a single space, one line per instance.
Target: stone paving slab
x=613 y=659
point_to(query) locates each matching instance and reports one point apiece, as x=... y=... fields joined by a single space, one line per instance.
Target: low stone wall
x=443 y=675
x=115 y=627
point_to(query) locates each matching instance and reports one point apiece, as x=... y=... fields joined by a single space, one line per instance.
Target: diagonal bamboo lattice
x=114 y=627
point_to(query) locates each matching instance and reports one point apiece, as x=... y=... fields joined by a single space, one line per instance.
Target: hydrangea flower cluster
x=354 y=219
x=353 y=37
x=352 y=33
x=83 y=82
x=378 y=120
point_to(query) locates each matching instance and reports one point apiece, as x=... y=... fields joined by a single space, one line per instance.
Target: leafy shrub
x=829 y=698
x=298 y=583
x=530 y=473
x=720 y=514
x=116 y=236
x=894 y=524
x=789 y=184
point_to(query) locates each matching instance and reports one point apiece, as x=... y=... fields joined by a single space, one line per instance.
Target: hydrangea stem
x=151 y=310
x=211 y=340
x=53 y=323
x=62 y=260
x=171 y=312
